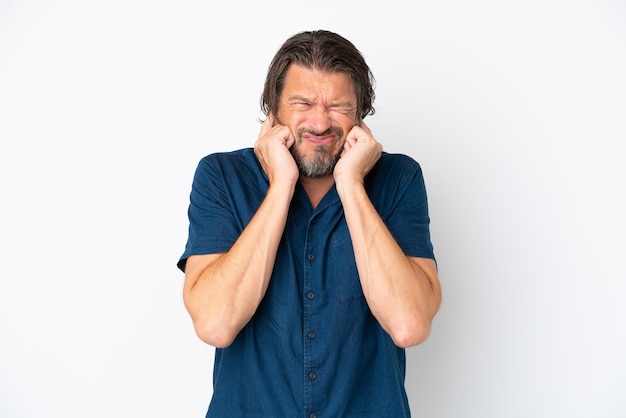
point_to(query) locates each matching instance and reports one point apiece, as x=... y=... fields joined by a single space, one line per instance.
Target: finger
x=290 y=140
x=366 y=128
x=353 y=135
x=267 y=125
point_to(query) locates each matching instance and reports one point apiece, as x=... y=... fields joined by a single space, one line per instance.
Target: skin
x=316 y=115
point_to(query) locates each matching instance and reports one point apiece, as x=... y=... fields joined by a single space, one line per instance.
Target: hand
x=272 y=150
x=360 y=152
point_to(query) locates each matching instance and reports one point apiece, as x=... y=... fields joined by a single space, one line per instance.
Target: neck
x=316 y=188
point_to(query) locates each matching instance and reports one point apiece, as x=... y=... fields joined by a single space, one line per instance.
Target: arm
x=402 y=292
x=222 y=291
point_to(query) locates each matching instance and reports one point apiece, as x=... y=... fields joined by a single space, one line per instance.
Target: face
x=320 y=110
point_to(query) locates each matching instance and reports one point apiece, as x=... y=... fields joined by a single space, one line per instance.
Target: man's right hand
x=272 y=150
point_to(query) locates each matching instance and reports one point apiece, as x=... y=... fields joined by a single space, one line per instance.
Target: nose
x=319 y=119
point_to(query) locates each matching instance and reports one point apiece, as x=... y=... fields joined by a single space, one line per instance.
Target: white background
x=516 y=111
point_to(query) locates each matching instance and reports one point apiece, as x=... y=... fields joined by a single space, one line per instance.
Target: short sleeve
x=212 y=224
x=403 y=205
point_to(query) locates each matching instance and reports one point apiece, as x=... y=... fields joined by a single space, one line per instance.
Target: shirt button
x=311 y=257
x=312 y=376
x=311 y=334
x=311 y=295
x=313 y=415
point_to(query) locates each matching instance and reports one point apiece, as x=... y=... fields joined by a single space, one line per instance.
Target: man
x=309 y=264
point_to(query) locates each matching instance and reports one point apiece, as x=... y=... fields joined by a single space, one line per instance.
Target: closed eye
x=342 y=109
x=300 y=105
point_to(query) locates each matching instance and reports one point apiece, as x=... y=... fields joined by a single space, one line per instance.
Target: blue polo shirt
x=313 y=349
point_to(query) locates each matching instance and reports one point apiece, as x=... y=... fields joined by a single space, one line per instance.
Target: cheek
x=291 y=119
x=280 y=117
x=345 y=123
x=343 y=118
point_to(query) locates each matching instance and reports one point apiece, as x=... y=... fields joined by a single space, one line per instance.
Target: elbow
x=214 y=327
x=409 y=335
x=414 y=328
x=217 y=335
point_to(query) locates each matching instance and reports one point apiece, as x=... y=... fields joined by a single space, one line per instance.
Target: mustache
x=330 y=131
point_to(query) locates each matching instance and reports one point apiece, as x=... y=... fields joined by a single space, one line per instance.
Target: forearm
x=222 y=293
x=403 y=293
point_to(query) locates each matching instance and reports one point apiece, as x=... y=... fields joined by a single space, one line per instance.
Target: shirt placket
x=311 y=302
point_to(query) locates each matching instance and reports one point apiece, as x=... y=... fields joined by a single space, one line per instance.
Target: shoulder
x=396 y=166
x=238 y=162
x=393 y=176
x=235 y=170
x=398 y=159
x=243 y=156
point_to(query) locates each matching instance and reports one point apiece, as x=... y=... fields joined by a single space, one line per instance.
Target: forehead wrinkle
x=312 y=85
